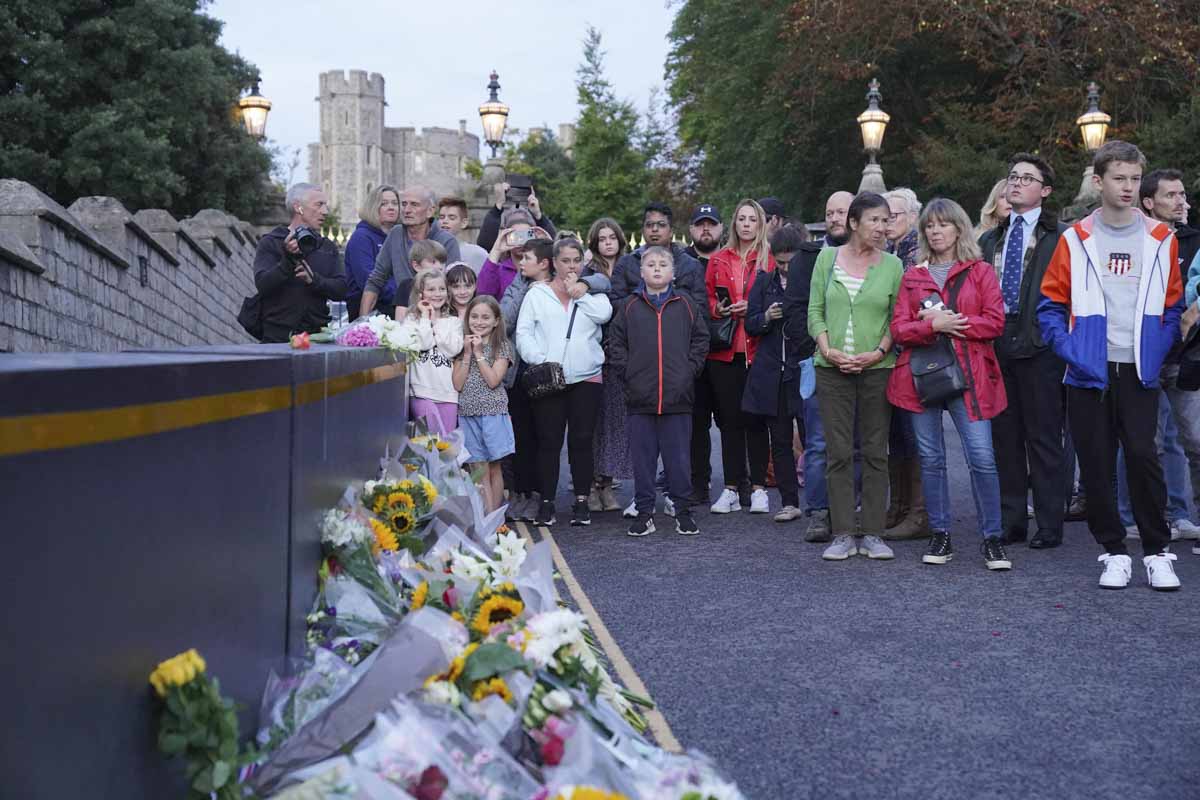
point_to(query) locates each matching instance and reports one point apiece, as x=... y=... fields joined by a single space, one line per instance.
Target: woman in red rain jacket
x=953 y=293
x=730 y=275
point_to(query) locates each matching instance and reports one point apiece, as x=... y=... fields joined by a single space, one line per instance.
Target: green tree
x=128 y=98
x=768 y=90
x=611 y=176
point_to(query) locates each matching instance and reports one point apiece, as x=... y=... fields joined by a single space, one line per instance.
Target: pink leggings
x=440 y=417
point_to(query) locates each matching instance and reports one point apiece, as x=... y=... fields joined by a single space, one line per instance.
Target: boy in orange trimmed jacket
x=1110 y=307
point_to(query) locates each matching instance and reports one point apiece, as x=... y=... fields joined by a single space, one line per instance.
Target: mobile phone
x=519 y=187
x=519 y=238
x=723 y=296
x=933 y=303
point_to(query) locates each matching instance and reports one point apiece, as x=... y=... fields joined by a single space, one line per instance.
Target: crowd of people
x=827 y=365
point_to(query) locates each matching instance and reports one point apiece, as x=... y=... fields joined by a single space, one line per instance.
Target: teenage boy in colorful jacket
x=1110 y=307
x=658 y=342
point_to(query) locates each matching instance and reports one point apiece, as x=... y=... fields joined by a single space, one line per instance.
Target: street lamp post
x=873 y=123
x=494 y=116
x=253 y=110
x=1093 y=126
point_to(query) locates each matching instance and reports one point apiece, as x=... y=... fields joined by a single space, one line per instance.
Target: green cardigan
x=830 y=309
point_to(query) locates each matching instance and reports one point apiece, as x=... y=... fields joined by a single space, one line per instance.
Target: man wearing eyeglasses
x=1028 y=436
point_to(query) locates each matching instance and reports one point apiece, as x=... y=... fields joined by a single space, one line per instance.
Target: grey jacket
x=510 y=310
x=393 y=257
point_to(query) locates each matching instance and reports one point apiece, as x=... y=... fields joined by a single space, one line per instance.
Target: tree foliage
x=129 y=98
x=768 y=90
x=539 y=154
x=611 y=175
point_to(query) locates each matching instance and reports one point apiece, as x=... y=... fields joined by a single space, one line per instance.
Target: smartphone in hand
x=723 y=296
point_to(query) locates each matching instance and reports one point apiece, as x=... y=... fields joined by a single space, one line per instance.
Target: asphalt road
x=862 y=679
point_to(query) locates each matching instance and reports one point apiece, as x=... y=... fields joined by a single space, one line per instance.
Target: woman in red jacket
x=953 y=293
x=730 y=275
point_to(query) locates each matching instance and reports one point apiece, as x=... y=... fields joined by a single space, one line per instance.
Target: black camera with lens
x=307 y=239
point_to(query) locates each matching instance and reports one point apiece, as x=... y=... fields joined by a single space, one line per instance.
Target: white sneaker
x=1184 y=528
x=1117 y=570
x=630 y=511
x=759 y=502
x=668 y=507
x=1131 y=532
x=842 y=548
x=1159 y=572
x=873 y=547
x=727 y=502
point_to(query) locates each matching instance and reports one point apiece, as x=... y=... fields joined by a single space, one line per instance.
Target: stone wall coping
x=18 y=199
x=90 y=208
x=15 y=250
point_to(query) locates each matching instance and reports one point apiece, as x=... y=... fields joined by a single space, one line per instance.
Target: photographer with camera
x=417 y=207
x=519 y=192
x=296 y=269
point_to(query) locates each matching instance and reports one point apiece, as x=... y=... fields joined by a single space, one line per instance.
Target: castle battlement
x=357 y=152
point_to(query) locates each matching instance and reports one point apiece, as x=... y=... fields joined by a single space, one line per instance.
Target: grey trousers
x=1185 y=407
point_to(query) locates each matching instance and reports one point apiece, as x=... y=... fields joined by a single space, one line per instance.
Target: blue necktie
x=1014 y=255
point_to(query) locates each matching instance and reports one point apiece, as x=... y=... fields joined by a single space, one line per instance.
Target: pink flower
x=358 y=336
x=552 y=751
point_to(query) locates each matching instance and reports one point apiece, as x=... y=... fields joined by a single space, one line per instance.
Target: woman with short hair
x=378 y=216
x=854 y=287
x=953 y=293
x=731 y=275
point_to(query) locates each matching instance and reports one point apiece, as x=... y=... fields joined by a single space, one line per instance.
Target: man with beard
x=795 y=326
x=705 y=230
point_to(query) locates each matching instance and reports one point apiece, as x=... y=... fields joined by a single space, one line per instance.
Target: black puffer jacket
x=288 y=302
x=659 y=351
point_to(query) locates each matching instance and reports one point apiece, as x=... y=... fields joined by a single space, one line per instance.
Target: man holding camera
x=296 y=269
x=417 y=207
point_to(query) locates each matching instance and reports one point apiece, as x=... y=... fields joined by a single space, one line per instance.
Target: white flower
x=443 y=692
x=557 y=700
x=562 y=623
x=369 y=486
x=469 y=567
x=340 y=529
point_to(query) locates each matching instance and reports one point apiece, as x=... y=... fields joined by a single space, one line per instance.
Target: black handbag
x=720 y=333
x=1189 y=361
x=937 y=375
x=250 y=316
x=547 y=378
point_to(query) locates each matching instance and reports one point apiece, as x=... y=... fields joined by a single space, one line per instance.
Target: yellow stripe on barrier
x=33 y=433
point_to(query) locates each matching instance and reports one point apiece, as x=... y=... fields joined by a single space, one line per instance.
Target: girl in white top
x=436 y=333
x=542 y=325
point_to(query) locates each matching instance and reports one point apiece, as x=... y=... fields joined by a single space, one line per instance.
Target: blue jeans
x=1174 y=464
x=977 y=447
x=816 y=492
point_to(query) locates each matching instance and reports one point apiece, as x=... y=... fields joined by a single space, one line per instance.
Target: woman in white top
x=560 y=322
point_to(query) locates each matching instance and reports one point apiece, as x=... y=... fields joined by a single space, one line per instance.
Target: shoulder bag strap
x=570 y=327
x=967 y=374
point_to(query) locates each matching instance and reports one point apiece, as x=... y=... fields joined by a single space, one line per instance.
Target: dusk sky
x=435 y=58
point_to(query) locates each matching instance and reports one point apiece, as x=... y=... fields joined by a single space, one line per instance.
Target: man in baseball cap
x=776 y=215
x=705 y=229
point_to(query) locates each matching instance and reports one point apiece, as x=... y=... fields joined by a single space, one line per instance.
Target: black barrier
x=152 y=502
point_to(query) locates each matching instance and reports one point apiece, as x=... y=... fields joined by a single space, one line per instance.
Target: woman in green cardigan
x=854 y=289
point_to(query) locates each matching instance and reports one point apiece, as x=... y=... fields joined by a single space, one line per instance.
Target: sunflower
x=431 y=492
x=493 y=611
x=401 y=522
x=420 y=595
x=493 y=686
x=459 y=663
x=443 y=446
x=384 y=538
x=402 y=499
x=378 y=505
x=456 y=615
x=406 y=486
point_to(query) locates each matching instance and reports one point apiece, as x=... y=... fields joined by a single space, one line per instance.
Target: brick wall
x=97 y=277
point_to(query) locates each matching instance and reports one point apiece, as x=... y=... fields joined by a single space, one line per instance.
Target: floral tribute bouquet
x=441 y=664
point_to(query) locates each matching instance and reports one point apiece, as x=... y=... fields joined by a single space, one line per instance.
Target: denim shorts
x=487 y=438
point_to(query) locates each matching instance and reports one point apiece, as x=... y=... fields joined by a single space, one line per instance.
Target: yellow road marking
x=625 y=671
x=32 y=433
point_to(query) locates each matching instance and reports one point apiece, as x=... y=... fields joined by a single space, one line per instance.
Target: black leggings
x=739 y=433
x=524 y=469
x=572 y=412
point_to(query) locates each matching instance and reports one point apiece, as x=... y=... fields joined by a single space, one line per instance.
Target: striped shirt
x=852 y=285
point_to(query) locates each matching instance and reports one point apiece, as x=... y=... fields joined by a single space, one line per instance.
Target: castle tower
x=349 y=161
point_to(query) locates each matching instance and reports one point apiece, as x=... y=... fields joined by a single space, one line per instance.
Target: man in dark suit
x=1028 y=436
